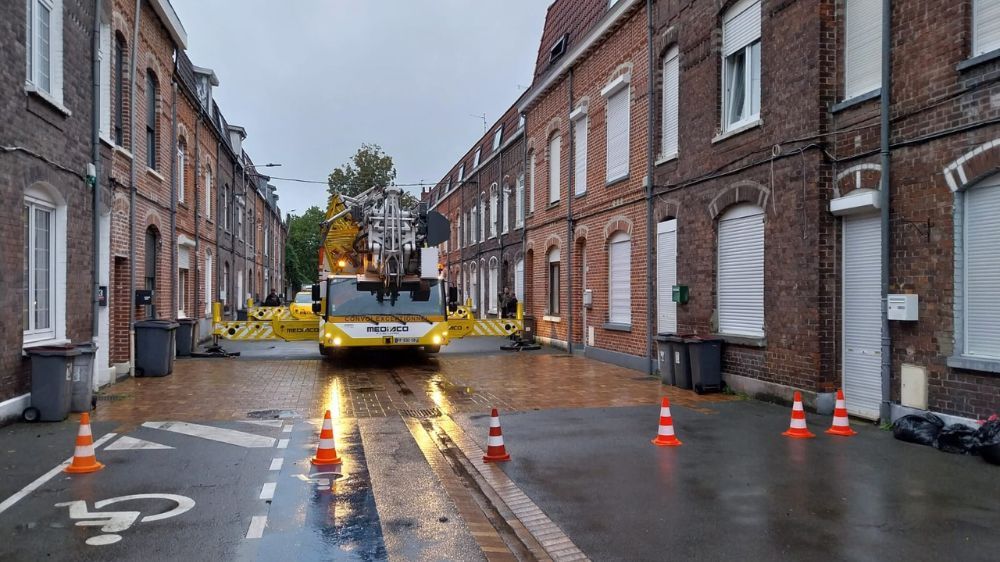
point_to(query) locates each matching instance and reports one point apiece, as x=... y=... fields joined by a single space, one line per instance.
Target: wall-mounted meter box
x=680 y=294
x=588 y=298
x=903 y=307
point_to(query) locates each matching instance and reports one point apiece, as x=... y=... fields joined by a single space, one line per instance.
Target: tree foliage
x=370 y=166
x=302 y=247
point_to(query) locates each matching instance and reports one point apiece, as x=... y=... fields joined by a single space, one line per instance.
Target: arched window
x=494 y=278
x=44 y=258
x=741 y=271
x=669 y=107
x=181 y=168
x=208 y=194
x=519 y=280
x=505 y=208
x=981 y=215
x=531 y=183
x=208 y=282
x=152 y=254
x=494 y=214
x=555 y=167
x=620 y=279
x=224 y=284
x=120 y=86
x=553 y=300
x=474 y=285
x=482 y=217
x=152 y=140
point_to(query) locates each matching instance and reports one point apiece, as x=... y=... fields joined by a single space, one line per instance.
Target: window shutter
x=105 y=66
x=982 y=271
x=986 y=26
x=620 y=286
x=56 y=52
x=531 y=184
x=580 y=156
x=741 y=272
x=519 y=280
x=740 y=27
x=666 y=276
x=671 y=86
x=863 y=47
x=555 y=163
x=618 y=132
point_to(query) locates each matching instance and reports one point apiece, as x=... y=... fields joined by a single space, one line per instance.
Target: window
x=475 y=161
x=238 y=209
x=985 y=26
x=553 y=308
x=558 y=49
x=183 y=263
x=208 y=283
x=119 y=97
x=617 y=95
x=482 y=217
x=505 y=208
x=461 y=172
x=39 y=311
x=44 y=46
x=497 y=138
x=152 y=144
x=620 y=279
x=982 y=261
x=225 y=208
x=670 y=109
x=104 y=56
x=531 y=183
x=519 y=203
x=863 y=47
x=181 y=165
x=493 y=281
x=473 y=223
x=741 y=65
x=580 y=154
x=208 y=195
x=224 y=288
x=494 y=212
x=555 y=154
x=519 y=280
x=741 y=271
x=474 y=285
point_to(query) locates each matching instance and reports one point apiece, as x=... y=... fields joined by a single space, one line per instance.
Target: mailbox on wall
x=143 y=297
x=680 y=294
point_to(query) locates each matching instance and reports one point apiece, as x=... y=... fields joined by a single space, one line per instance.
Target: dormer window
x=559 y=49
x=497 y=138
x=475 y=161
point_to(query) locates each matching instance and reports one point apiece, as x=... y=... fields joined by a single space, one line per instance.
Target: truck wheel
x=432 y=348
x=324 y=351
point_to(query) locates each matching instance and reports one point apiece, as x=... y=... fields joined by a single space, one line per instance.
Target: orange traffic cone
x=84 y=460
x=841 y=425
x=326 y=453
x=798 y=427
x=665 y=435
x=495 y=451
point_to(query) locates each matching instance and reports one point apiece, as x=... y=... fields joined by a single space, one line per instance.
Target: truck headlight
x=336 y=341
x=436 y=339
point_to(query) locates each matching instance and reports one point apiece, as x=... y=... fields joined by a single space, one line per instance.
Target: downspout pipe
x=132 y=188
x=197 y=219
x=570 y=191
x=528 y=174
x=95 y=138
x=650 y=251
x=174 y=274
x=885 y=410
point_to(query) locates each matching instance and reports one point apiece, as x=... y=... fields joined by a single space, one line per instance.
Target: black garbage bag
x=989 y=433
x=922 y=429
x=958 y=439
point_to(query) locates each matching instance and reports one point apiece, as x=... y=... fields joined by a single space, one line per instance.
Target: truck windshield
x=344 y=299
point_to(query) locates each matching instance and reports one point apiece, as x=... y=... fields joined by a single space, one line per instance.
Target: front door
x=666 y=276
x=862 y=315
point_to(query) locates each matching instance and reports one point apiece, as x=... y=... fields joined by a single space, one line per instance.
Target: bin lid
x=54 y=350
x=186 y=321
x=672 y=338
x=157 y=324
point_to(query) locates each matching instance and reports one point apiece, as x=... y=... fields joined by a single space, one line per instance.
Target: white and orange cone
x=84 y=460
x=841 y=424
x=495 y=451
x=665 y=434
x=798 y=428
x=326 y=452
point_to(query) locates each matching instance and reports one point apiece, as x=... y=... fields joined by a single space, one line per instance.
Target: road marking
x=126 y=443
x=266 y=423
x=257 y=524
x=23 y=492
x=118 y=521
x=267 y=492
x=222 y=435
x=287 y=429
x=283 y=443
x=276 y=464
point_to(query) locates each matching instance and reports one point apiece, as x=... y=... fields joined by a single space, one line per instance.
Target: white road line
x=230 y=436
x=276 y=464
x=23 y=492
x=267 y=423
x=257 y=524
x=267 y=492
x=128 y=443
x=283 y=443
x=287 y=429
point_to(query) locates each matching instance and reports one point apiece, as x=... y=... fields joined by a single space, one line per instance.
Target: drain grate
x=421 y=413
x=273 y=414
x=111 y=397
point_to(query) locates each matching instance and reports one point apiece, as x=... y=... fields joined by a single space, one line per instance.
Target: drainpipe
x=174 y=274
x=132 y=189
x=95 y=138
x=524 y=214
x=570 y=192
x=197 y=217
x=650 y=253
x=218 y=223
x=884 y=151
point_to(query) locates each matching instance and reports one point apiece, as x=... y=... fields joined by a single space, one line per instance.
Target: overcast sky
x=310 y=80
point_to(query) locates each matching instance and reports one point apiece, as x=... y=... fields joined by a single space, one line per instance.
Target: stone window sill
x=978 y=59
x=974 y=364
x=548 y=318
x=738 y=130
x=123 y=151
x=47 y=98
x=856 y=100
x=617 y=327
x=665 y=158
x=40 y=343
x=155 y=174
x=749 y=341
x=615 y=181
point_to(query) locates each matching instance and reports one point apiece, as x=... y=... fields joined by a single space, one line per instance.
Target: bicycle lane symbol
x=113 y=522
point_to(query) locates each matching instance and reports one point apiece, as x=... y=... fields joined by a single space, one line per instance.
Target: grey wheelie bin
x=678 y=371
x=51 y=382
x=705 y=356
x=185 y=336
x=154 y=347
x=83 y=382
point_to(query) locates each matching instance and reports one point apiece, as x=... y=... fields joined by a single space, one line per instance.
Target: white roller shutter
x=618 y=131
x=986 y=24
x=183 y=258
x=580 y=155
x=668 y=142
x=863 y=47
x=862 y=315
x=105 y=67
x=519 y=280
x=620 y=284
x=741 y=272
x=666 y=276
x=555 y=166
x=740 y=26
x=982 y=270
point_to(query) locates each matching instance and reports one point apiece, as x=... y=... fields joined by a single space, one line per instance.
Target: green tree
x=302 y=247
x=370 y=166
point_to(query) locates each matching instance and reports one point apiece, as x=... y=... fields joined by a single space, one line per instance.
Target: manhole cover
x=273 y=414
x=422 y=413
x=110 y=397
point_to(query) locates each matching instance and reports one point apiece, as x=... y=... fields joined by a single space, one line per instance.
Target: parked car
x=302 y=305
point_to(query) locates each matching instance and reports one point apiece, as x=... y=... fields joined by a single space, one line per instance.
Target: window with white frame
x=531 y=183
x=670 y=110
x=553 y=296
x=475 y=160
x=981 y=263
x=741 y=65
x=519 y=203
x=152 y=127
x=580 y=153
x=985 y=26
x=183 y=267
x=494 y=211
x=461 y=172
x=617 y=95
x=505 y=208
x=620 y=279
x=741 y=271
x=497 y=138
x=473 y=223
x=225 y=208
x=519 y=280
x=44 y=21
x=120 y=67
x=208 y=282
x=181 y=169
x=494 y=277
x=474 y=285
x=104 y=56
x=482 y=217
x=555 y=167
x=863 y=47
x=208 y=194
x=39 y=311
